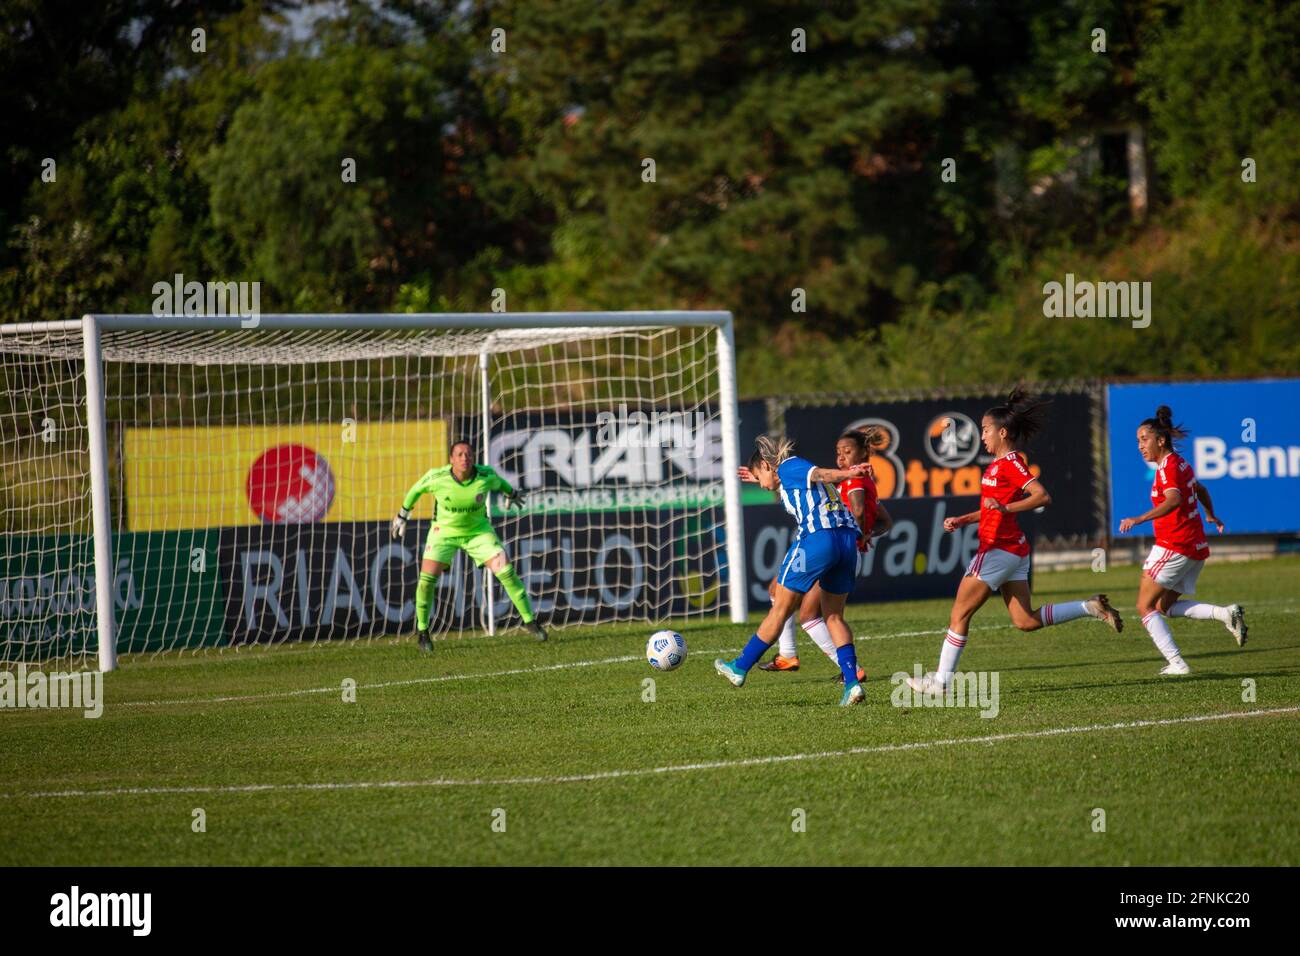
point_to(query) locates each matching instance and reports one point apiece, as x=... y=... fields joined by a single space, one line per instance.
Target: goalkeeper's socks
x=424 y=600
x=509 y=579
x=752 y=653
x=847 y=656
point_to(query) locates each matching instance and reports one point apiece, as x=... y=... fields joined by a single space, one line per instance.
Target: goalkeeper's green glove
x=516 y=500
x=399 y=523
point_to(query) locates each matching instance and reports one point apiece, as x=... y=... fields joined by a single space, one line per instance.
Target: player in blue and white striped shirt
x=824 y=551
x=812 y=501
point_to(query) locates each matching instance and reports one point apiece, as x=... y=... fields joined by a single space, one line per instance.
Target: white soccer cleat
x=929 y=684
x=1097 y=606
x=1176 y=669
x=1237 y=623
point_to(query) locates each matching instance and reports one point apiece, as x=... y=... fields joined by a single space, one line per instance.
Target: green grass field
x=559 y=738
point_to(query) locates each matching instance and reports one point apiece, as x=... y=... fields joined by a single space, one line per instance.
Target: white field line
x=541 y=668
x=651 y=771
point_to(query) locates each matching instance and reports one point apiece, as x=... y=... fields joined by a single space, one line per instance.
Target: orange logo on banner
x=914 y=479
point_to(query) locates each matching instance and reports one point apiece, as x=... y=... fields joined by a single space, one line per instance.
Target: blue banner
x=1243 y=443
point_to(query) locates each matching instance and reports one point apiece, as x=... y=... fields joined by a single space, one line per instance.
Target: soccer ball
x=665 y=650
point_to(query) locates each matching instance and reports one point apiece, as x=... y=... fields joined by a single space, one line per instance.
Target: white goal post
x=178 y=482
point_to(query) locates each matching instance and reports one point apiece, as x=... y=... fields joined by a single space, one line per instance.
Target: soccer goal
x=176 y=483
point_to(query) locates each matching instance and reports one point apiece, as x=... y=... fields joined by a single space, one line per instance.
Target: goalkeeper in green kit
x=460 y=492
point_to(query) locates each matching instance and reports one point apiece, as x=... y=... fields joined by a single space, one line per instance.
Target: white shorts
x=1171 y=570
x=996 y=567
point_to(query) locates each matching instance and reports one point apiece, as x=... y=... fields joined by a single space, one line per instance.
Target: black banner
x=327 y=581
x=916 y=559
x=1231 y=906
x=935 y=454
x=317 y=581
x=753 y=422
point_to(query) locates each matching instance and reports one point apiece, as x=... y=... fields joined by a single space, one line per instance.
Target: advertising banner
x=166 y=592
x=935 y=454
x=326 y=581
x=213 y=477
x=47 y=595
x=1243 y=444
x=623 y=519
x=625 y=457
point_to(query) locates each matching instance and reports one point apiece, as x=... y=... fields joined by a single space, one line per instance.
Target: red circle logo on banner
x=290 y=484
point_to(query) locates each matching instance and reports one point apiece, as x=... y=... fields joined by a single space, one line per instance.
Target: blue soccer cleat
x=730 y=671
x=853 y=694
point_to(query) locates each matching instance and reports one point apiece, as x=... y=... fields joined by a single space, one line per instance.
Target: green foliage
x=233 y=170
x=1224 y=303
x=1220 y=82
x=65 y=62
x=774 y=169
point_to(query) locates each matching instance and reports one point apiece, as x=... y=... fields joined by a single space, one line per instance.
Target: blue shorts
x=828 y=558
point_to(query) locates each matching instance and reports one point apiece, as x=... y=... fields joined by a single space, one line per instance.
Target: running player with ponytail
x=1175 y=562
x=1002 y=562
x=852 y=448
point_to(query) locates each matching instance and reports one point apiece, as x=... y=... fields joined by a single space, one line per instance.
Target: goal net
x=238 y=485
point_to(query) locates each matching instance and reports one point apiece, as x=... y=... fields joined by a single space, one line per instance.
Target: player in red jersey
x=1002 y=561
x=1175 y=562
x=859 y=494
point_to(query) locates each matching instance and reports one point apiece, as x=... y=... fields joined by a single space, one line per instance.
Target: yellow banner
x=178 y=478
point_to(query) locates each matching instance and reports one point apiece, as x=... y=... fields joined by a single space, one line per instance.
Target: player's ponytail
x=772 y=451
x=868 y=439
x=1163 y=425
x=1023 y=414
